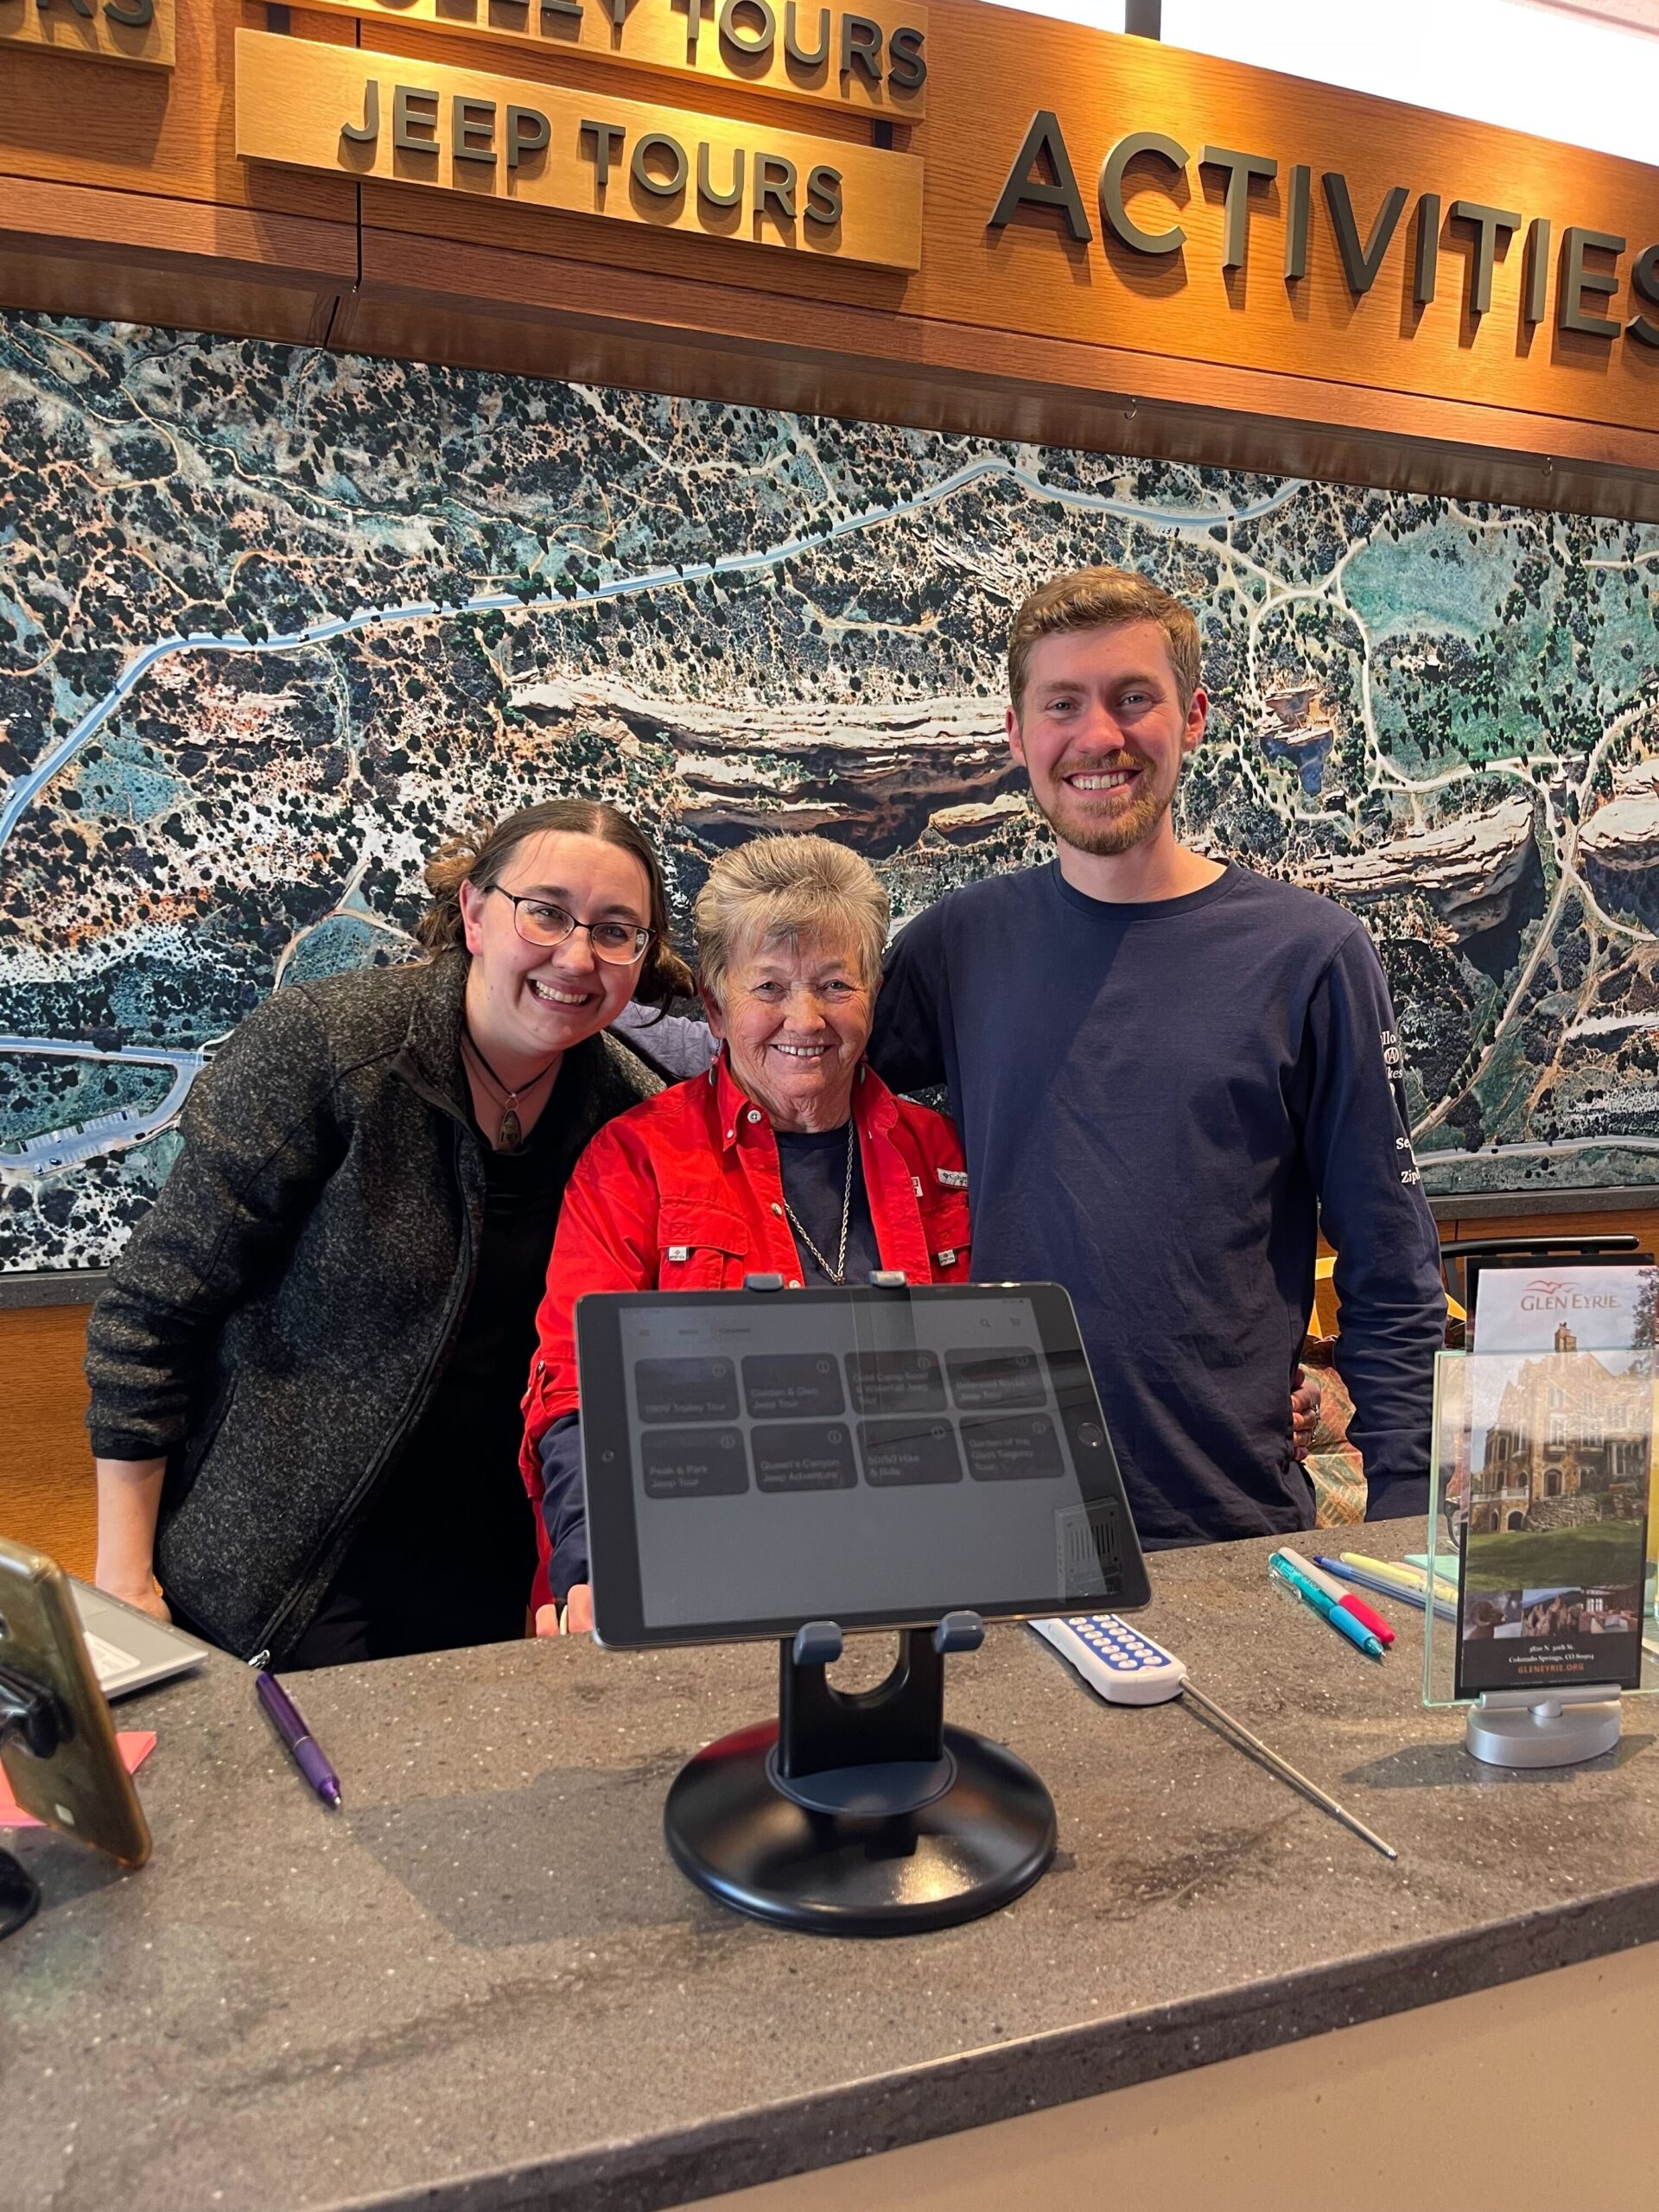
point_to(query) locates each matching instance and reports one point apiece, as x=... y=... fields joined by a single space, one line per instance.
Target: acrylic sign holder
x=1542 y=1724
x=1521 y=1728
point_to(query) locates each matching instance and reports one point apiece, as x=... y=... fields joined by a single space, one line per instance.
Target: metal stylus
x=1284 y=1770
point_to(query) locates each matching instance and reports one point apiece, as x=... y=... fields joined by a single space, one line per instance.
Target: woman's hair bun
x=447 y=869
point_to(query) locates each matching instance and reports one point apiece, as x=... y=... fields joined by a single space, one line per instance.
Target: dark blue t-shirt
x=1159 y=1104
x=812 y=1168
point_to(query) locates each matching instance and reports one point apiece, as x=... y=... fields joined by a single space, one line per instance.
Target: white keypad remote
x=1124 y=1666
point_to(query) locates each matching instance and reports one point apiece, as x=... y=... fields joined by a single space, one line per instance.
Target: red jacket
x=684 y=1193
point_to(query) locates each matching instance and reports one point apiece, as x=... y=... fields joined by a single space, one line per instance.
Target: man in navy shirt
x=1168 y=1073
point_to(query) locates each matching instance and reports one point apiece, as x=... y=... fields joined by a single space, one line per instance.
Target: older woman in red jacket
x=790 y=1157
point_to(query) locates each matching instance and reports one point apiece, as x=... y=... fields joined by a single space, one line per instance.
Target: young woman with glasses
x=306 y=1369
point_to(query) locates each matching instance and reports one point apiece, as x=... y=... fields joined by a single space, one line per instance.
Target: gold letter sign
x=355 y=112
x=95 y=30
x=867 y=54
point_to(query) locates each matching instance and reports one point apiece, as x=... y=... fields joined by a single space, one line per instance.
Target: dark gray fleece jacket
x=277 y=1325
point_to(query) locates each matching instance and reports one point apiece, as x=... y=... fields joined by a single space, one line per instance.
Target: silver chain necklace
x=837 y=1275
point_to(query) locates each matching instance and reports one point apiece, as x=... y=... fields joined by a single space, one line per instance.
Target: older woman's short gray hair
x=783 y=887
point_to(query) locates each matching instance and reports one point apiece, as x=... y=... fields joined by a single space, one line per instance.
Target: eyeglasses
x=539 y=923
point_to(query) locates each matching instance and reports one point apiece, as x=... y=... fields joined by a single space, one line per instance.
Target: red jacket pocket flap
x=945 y=1216
x=703 y=1225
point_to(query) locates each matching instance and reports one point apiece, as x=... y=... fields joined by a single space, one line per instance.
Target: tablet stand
x=30 y=1712
x=862 y=1813
x=1543 y=1727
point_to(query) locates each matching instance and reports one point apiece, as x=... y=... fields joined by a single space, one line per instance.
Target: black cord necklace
x=511 y=1135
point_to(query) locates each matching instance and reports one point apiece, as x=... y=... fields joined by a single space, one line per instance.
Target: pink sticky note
x=134 y=1746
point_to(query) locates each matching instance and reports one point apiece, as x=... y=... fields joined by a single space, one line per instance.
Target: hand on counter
x=1304 y=1412
x=578 y=1614
x=145 y=1597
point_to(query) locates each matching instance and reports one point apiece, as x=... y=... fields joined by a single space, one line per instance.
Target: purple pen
x=309 y=1756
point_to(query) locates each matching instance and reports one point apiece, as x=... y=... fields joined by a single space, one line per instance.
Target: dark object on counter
x=294 y=1730
x=861 y=1813
x=986 y=1470
x=56 y=1742
x=1472 y=1253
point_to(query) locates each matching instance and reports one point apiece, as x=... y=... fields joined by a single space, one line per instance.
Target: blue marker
x=1344 y=1622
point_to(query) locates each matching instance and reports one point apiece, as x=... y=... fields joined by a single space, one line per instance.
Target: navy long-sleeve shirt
x=1160 y=1105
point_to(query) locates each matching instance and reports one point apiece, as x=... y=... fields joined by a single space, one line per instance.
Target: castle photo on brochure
x=1556 y=1479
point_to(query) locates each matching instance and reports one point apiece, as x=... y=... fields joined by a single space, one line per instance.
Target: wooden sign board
x=871 y=58
x=139 y=31
x=1121 y=194
x=353 y=113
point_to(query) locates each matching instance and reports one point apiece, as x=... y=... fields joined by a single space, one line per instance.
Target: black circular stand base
x=976 y=1846
x=19 y=1894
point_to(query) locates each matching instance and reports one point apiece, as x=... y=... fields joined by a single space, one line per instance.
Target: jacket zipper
x=419 y=1398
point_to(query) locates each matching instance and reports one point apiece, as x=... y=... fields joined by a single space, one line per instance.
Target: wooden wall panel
x=1638 y=1222
x=1013 y=333
x=1030 y=283
x=1596 y=1221
x=1023 y=283
x=132 y=292
x=1101 y=87
x=164 y=133
x=66 y=220
x=1643 y=1222
x=506 y=278
x=293 y=95
x=655 y=39
x=46 y=1496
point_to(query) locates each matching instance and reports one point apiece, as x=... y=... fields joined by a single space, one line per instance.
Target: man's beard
x=1085 y=831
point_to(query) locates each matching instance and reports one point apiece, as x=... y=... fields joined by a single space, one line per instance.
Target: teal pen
x=1342 y=1621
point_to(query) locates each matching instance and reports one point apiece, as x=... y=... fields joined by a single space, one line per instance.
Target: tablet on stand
x=800 y=1466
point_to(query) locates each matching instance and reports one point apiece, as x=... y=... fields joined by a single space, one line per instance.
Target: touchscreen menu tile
x=895 y=1382
x=898 y=1452
x=686 y=1389
x=693 y=1463
x=1012 y=1447
x=985 y=1375
x=798 y=1385
x=803 y=1455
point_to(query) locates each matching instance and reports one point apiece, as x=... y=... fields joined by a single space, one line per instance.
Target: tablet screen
x=755 y=1460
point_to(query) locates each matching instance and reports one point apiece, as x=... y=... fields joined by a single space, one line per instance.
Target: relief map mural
x=271 y=619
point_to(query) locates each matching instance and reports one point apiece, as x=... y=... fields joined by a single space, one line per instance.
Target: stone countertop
x=483 y=1983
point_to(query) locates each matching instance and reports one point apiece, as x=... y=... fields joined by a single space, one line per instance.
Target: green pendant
x=508 y=1136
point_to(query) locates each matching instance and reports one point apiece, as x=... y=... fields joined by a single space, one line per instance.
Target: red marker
x=1350 y=1603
